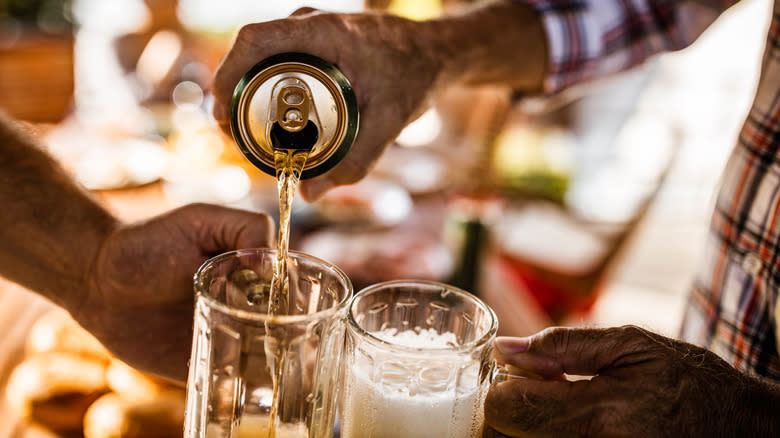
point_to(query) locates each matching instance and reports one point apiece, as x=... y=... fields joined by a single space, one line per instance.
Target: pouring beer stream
x=294 y=116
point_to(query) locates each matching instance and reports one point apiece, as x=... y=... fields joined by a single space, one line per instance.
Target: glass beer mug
x=230 y=386
x=418 y=362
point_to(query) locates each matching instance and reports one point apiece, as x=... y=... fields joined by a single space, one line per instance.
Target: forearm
x=50 y=228
x=501 y=42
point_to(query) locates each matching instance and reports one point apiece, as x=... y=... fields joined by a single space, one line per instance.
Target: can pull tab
x=293 y=127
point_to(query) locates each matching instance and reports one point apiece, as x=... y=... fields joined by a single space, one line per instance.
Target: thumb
x=579 y=351
x=223 y=229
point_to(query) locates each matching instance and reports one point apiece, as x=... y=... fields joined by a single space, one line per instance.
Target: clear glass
x=229 y=391
x=418 y=362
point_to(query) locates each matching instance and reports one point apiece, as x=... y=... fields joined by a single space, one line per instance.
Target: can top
x=333 y=109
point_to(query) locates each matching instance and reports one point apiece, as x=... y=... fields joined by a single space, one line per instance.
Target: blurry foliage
x=48 y=16
x=537 y=184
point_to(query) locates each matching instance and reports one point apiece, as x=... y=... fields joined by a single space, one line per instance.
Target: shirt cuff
x=589 y=39
x=573 y=41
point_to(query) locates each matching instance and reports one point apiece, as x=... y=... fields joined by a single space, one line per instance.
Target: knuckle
x=628 y=338
x=304 y=10
x=198 y=207
x=553 y=338
x=336 y=23
x=633 y=330
x=268 y=221
x=255 y=36
x=330 y=17
x=244 y=33
x=248 y=32
x=627 y=334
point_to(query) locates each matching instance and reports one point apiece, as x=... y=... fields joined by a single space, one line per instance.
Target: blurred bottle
x=474 y=202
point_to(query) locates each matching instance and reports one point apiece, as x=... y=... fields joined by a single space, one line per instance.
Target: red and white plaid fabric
x=733 y=306
x=589 y=39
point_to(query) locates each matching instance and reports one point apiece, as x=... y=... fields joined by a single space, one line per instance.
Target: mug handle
x=505 y=372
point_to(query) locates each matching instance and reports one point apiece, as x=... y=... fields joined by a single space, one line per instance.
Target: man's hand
x=396 y=66
x=139 y=297
x=390 y=71
x=644 y=385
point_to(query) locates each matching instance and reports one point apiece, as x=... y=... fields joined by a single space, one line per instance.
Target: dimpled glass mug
x=418 y=362
x=229 y=390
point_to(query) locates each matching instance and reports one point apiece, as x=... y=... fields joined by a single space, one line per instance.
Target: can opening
x=294 y=122
x=304 y=139
x=294 y=101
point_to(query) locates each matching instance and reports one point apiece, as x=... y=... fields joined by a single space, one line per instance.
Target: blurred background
x=583 y=210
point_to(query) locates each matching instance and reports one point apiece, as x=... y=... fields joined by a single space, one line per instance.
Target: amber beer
x=256 y=426
x=229 y=389
x=293 y=116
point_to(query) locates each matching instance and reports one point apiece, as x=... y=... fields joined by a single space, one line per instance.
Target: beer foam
x=419 y=338
x=413 y=396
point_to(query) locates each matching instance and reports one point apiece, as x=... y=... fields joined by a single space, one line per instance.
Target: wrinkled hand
x=645 y=385
x=381 y=55
x=139 y=302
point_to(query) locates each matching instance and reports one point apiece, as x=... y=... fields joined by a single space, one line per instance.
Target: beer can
x=306 y=99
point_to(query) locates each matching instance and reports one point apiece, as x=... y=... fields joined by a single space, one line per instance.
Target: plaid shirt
x=733 y=306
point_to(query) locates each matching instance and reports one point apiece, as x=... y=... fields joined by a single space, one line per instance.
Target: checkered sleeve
x=588 y=39
x=734 y=305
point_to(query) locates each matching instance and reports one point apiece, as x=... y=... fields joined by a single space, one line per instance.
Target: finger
x=313 y=189
x=579 y=351
x=255 y=42
x=528 y=407
x=510 y=351
x=352 y=169
x=245 y=52
x=224 y=229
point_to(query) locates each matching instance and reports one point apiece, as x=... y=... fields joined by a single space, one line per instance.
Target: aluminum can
x=294 y=101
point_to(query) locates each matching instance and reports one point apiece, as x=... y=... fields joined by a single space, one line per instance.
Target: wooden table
x=19 y=309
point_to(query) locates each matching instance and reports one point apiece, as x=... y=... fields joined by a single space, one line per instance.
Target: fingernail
x=508 y=345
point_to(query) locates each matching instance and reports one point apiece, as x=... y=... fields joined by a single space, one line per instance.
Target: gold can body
x=321 y=94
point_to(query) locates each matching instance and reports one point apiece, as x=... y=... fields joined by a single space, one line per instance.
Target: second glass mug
x=418 y=362
x=229 y=389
